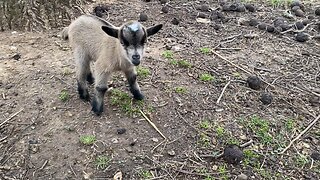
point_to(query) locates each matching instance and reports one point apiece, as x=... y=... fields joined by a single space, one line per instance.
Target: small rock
x=118 y=175
x=233 y=7
x=299 y=13
x=285 y=27
x=204 y=7
x=250 y=7
x=121 y=131
x=155 y=140
x=165 y=9
x=317 y=11
x=39 y=101
x=114 y=140
x=254 y=82
x=143 y=17
x=17 y=56
x=270 y=29
x=241 y=8
x=266 y=98
x=242 y=177
x=133 y=142
x=226 y=7
x=314 y=100
x=262 y=26
x=253 y=22
x=294 y=8
x=171 y=153
x=129 y=149
x=175 y=21
x=33 y=141
x=34 y=149
x=297 y=3
x=163 y=1
x=315 y=156
x=306 y=22
x=100 y=10
x=302 y=37
x=278 y=22
x=202 y=15
x=232 y=154
x=299 y=25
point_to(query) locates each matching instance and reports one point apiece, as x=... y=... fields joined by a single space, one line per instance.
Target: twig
x=246 y=144
x=302 y=133
x=152 y=124
x=236 y=49
x=223 y=90
x=233 y=64
x=72 y=170
x=11 y=117
x=44 y=164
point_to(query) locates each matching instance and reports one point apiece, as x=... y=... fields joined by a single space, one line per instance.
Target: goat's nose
x=136 y=57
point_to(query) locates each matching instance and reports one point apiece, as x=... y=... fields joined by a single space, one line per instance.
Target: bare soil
x=40 y=138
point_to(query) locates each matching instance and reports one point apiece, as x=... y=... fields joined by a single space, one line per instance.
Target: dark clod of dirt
x=241 y=8
x=165 y=9
x=317 y=11
x=253 y=22
x=222 y=2
x=100 y=10
x=262 y=26
x=278 y=22
x=250 y=7
x=294 y=8
x=121 y=131
x=202 y=15
x=297 y=3
x=270 y=29
x=233 y=154
x=175 y=21
x=17 y=56
x=299 y=13
x=143 y=17
x=302 y=37
x=216 y=15
x=147 y=0
x=33 y=141
x=315 y=156
x=163 y=1
x=299 y=25
x=306 y=22
x=39 y=101
x=266 y=98
x=226 y=7
x=254 y=82
x=204 y=7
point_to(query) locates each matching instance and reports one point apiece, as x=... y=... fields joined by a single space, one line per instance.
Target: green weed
x=180 y=90
x=220 y=131
x=301 y=160
x=205 y=50
x=184 y=64
x=204 y=140
x=102 y=162
x=88 y=139
x=167 y=54
x=205 y=124
x=206 y=77
x=145 y=174
x=261 y=129
x=223 y=172
x=64 y=96
x=290 y=124
x=143 y=72
x=124 y=101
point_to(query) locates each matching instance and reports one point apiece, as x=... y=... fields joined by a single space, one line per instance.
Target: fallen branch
x=5 y=121
x=223 y=90
x=152 y=124
x=302 y=133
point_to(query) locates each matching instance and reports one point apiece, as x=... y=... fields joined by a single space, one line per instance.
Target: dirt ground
x=42 y=118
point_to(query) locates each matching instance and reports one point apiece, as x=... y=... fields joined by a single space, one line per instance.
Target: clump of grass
x=124 y=101
x=223 y=172
x=301 y=160
x=102 y=162
x=206 y=77
x=145 y=174
x=205 y=50
x=180 y=90
x=205 y=124
x=143 y=72
x=64 y=96
x=184 y=64
x=173 y=62
x=204 y=140
x=290 y=124
x=88 y=139
x=261 y=129
x=220 y=131
x=167 y=54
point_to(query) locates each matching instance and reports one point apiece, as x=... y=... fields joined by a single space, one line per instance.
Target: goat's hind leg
x=131 y=76
x=83 y=71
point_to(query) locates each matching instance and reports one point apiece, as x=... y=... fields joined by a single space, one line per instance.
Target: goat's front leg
x=131 y=76
x=101 y=86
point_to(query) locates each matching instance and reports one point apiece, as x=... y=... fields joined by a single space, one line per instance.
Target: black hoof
x=83 y=93
x=96 y=107
x=90 y=78
x=138 y=96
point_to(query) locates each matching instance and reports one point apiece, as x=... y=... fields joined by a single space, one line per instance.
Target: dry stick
x=11 y=117
x=302 y=133
x=152 y=124
x=223 y=90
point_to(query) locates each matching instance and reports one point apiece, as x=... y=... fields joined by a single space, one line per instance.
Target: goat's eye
x=125 y=42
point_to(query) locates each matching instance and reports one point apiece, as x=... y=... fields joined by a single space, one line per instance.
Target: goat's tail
x=64 y=33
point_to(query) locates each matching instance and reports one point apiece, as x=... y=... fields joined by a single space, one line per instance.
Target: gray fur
x=111 y=48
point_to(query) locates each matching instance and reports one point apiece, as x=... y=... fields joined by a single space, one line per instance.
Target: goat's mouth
x=135 y=63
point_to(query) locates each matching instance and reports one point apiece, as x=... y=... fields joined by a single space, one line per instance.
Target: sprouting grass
x=261 y=129
x=180 y=90
x=124 y=101
x=143 y=72
x=232 y=140
x=205 y=50
x=301 y=160
x=223 y=172
x=180 y=63
x=88 y=139
x=220 y=131
x=173 y=62
x=290 y=124
x=251 y=158
x=64 y=96
x=145 y=174
x=206 y=77
x=102 y=162
x=204 y=140
x=205 y=124
x=167 y=54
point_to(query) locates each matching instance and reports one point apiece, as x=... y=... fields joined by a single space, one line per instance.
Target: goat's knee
x=134 y=86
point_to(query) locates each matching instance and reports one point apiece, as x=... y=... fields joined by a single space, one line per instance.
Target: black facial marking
x=133 y=37
x=83 y=93
x=90 y=78
x=96 y=107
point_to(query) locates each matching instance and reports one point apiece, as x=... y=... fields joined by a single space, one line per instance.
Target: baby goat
x=112 y=48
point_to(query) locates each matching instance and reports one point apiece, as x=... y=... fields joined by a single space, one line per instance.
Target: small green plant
x=88 y=139
x=236 y=75
x=205 y=124
x=143 y=72
x=223 y=172
x=261 y=129
x=64 y=96
x=204 y=140
x=205 y=50
x=145 y=174
x=184 y=64
x=180 y=90
x=220 y=131
x=206 y=77
x=173 y=62
x=232 y=140
x=124 y=101
x=167 y=54
x=250 y=158
x=301 y=160
x=290 y=124
x=102 y=162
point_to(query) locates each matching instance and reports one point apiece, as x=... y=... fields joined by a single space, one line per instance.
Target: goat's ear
x=154 y=29
x=111 y=31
